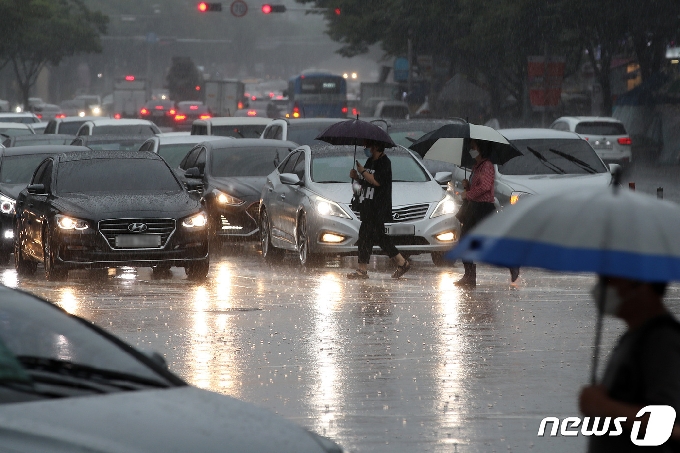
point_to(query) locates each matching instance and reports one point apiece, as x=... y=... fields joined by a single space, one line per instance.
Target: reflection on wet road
x=378 y=365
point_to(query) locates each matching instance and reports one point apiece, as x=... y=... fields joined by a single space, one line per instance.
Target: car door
x=277 y=193
x=35 y=210
x=291 y=199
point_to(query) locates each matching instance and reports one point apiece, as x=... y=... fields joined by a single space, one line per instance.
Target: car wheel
x=198 y=270
x=23 y=266
x=52 y=272
x=302 y=239
x=269 y=252
x=438 y=259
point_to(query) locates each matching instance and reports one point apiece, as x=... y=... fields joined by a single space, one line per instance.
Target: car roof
x=180 y=139
x=251 y=142
x=579 y=119
x=121 y=122
x=112 y=138
x=89 y=154
x=44 y=149
x=46 y=137
x=234 y=121
x=293 y=121
x=537 y=133
x=20 y=114
x=317 y=149
x=72 y=119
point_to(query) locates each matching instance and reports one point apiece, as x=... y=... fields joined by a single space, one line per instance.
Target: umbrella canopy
x=355 y=132
x=447 y=144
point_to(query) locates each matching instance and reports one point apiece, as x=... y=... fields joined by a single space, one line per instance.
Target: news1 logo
x=659 y=426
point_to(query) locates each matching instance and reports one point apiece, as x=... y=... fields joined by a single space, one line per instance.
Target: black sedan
x=102 y=209
x=233 y=173
x=16 y=169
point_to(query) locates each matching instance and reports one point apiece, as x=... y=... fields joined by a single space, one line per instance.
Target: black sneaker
x=514 y=274
x=358 y=275
x=401 y=270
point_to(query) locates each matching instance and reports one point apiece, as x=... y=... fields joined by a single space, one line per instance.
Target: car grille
x=407 y=213
x=113 y=227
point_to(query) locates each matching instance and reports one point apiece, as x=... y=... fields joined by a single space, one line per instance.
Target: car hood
x=105 y=206
x=180 y=419
x=546 y=184
x=12 y=190
x=245 y=187
x=403 y=193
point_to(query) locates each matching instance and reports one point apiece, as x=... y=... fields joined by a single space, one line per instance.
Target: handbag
x=464 y=211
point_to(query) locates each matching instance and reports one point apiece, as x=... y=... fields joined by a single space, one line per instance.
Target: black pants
x=372 y=231
x=477 y=211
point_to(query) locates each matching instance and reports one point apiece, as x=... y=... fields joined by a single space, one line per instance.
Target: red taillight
x=205 y=116
x=252 y=112
x=271 y=95
x=180 y=117
x=159 y=107
x=193 y=107
x=172 y=112
x=253 y=98
x=587 y=139
x=625 y=141
x=39 y=115
x=355 y=112
x=239 y=105
x=345 y=110
x=144 y=111
x=60 y=115
x=130 y=78
x=296 y=110
x=116 y=116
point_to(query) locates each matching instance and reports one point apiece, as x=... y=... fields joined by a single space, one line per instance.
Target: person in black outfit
x=643 y=369
x=375 y=177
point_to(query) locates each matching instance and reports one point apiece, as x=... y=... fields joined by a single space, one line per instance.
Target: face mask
x=612 y=301
x=367 y=152
x=474 y=153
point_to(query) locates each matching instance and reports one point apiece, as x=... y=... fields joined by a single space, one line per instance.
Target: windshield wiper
x=584 y=165
x=545 y=161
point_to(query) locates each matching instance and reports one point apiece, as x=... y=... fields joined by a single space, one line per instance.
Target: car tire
x=270 y=253
x=23 y=266
x=302 y=240
x=198 y=270
x=438 y=259
x=53 y=273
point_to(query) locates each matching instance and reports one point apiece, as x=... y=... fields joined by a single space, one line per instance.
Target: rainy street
x=377 y=365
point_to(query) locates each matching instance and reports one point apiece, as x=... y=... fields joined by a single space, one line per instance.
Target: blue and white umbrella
x=615 y=233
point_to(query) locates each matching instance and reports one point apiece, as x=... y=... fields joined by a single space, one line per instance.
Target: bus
x=317 y=95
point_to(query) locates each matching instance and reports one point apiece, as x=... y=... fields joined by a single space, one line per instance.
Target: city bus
x=317 y=95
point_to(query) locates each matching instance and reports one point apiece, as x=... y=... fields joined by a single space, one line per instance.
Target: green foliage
x=183 y=78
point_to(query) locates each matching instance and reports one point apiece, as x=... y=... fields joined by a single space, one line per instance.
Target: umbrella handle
x=598 y=332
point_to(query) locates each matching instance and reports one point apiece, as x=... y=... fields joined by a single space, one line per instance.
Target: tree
x=183 y=78
x=44 y=32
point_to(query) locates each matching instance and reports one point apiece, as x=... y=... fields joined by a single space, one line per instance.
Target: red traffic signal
x=268 y=9
x=208 y=6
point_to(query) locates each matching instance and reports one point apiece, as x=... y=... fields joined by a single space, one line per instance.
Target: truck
x=129 y=96
x=370 y=93
x=224 y=97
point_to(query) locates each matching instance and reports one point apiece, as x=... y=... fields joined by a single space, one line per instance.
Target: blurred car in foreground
x=233 y=173
x=70 y=386
x=186 y=112
x=606 y=135
x=302 y=131
x=12 y=129
x=237 y=127
x=68 y=125
x=118 y=127
x=38 y=139
x=103 y=209
x=173 y=147
x=20 y=117
x=305 y=206
x=110 y=142
x=16 y=169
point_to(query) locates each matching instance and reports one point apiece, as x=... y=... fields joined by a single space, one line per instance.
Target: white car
x=607 y=136
x=68 y=386
x=302 y=131
x=11 y=129
x=19 y=117
x=551 y=161
x=230 y=126
x=305 y=206
x=118 y=127
x=173 y=146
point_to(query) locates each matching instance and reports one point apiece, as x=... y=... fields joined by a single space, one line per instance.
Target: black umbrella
x=355 y=132
x=448 y=143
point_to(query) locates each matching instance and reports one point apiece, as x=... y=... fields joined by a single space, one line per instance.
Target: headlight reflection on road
x=68 y=301
x=10 y=278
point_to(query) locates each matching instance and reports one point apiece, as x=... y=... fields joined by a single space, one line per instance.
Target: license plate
x=400 y=230
x=138 y=240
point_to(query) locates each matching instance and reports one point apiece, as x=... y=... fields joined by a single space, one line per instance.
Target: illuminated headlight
x=196 y=221
x=9 y=234
x=70 y=223
x=226 y=199
x=446 y=237
x=515 y=196
x=7 y=205
x=332 y=238
x=446 y=205
x=96 y=111
x=81 y=114
x=327 y=207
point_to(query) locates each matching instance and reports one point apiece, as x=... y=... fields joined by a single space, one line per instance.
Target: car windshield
x=18 y=119
x=553 y=156
x=118 y=145
x=334 y=167
x=305 y=135
x=128 y=129
x=19 y=169
x=239 y=131
x=70 y=127
x=251 y=161
x=174 y=153
x=42 y=139
x=13 y=132
x=600 y=128
x=116 y=176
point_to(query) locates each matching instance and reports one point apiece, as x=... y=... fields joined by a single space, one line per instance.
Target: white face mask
x=474 y=153
x=612 y=301
x=367 y=152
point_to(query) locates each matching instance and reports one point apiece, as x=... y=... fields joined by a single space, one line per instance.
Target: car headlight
x=446 y=205
x=327 y=207
x=224 y=198
x=515 y=196
x=196 y=221
x=7 y=204
x=71 y=223
x=96 y=111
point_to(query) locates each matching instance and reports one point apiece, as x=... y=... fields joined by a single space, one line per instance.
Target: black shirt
x=376 y=201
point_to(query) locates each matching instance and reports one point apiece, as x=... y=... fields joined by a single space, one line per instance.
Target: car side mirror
x=613 y=168
x=196 y=186
x=442 y=177
x=36 y=189
x=290 y=179
x=193 y=173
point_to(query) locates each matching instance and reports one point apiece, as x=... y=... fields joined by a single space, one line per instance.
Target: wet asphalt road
x=378 y=365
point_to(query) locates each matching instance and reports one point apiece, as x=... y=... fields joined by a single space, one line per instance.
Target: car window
x=51 y=127
x=251 y=161
x=198 y=129
x=288 y=166
x=277 y=133
x=334 y=167
x=560 y=126
x=299 y=168
x=146 y=146
x=553 y=156
x=268 y=132
x=600 y=128
x=190 y=160
x=70 y=127
x=38 y=173
x=131 y=129
x=174 y=154
x=239 y=131
x=200 y=161
x=305 y=135
x=19 y=169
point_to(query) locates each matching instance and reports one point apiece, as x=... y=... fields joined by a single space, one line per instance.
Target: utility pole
x=409 y=56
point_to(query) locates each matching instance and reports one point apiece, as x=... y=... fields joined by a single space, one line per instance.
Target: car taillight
x=296 y=110
x=253 y=98
x=144 y=111
x=252 y=113
x=625 y=141
x=180 y=117
x=39 y=115
x=116 y=116
x=60 y=115
x=345 y=110
x=205 y=116
x=172 y=112
x=239 y=105
x=159 y=107
x=193 y=107
x=355 y=111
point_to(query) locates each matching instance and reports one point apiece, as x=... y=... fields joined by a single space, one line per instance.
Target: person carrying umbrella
x=375 y=177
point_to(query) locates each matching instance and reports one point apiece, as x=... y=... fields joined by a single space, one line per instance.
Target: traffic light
x=268 y=9
x=208 y=6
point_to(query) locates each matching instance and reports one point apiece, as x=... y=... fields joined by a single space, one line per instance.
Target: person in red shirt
x=479 y=193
